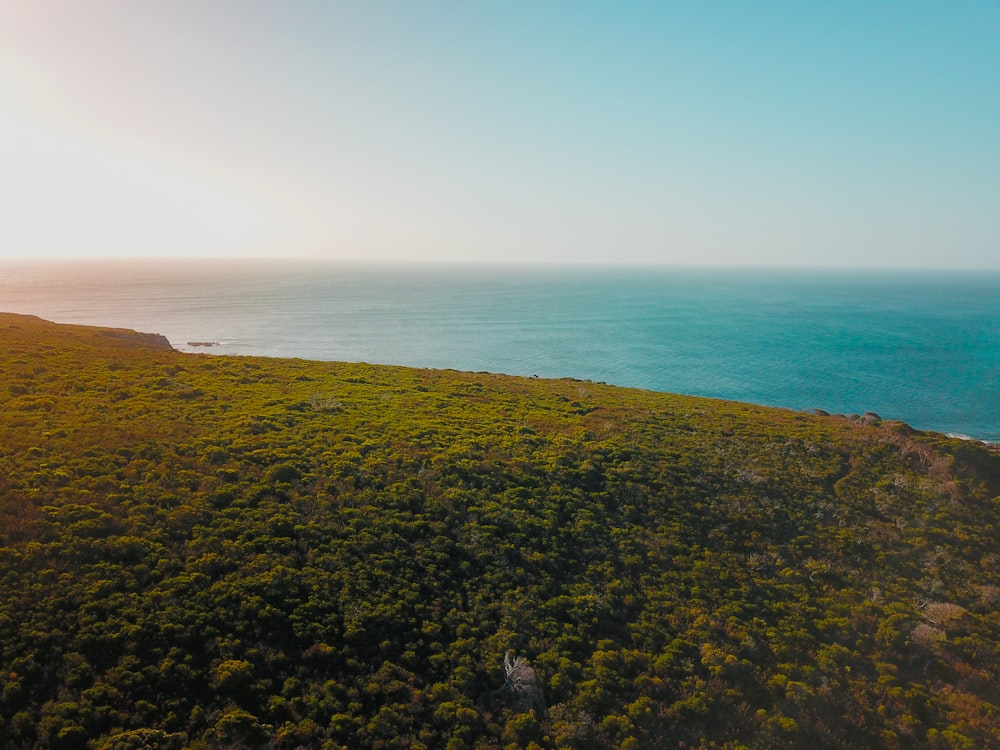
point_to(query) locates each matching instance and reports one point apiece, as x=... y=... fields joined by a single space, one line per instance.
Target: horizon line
x=312 y=260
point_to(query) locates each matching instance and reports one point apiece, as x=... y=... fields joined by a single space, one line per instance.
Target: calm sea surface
x=921 y=347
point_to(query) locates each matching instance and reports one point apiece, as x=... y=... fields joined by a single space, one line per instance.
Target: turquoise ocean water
x=921 y=347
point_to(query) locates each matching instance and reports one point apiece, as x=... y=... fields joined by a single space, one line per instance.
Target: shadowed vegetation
x=211 y=552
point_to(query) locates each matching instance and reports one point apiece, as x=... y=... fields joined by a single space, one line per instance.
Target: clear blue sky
x=772 y=133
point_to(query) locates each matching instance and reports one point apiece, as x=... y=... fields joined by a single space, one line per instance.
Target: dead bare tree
x=520 y=677
x=520 y=686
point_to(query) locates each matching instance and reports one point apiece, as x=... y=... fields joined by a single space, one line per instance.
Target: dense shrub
x=202 y=552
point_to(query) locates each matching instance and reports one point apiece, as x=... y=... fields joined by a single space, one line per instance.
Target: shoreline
x=787 y=338
x=210 y=348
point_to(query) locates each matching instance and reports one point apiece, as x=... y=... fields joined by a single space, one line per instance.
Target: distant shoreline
x=915 y=345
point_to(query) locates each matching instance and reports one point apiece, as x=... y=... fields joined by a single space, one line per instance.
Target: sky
x=859 y=134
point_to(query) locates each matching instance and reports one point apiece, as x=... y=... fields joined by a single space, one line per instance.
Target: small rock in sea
x=203 y=343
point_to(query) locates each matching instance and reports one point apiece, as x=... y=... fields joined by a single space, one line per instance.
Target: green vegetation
x=211 y=552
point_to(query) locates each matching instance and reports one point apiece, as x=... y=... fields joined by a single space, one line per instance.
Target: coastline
x=785 y=338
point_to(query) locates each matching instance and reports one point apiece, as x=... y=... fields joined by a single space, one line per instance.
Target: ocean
x=923 y=347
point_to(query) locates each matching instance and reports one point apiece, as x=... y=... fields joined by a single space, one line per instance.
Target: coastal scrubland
x=200 y=551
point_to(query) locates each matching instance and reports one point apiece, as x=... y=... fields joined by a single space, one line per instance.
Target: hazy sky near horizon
x=762 y=133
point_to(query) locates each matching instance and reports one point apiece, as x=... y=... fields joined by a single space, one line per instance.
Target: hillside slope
x=205 y=552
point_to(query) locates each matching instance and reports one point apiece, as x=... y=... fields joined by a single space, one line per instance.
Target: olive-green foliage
x=208 y=552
